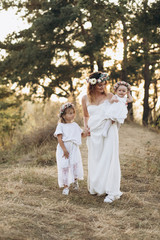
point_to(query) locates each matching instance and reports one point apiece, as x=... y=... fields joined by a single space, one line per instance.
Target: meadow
x=33 y=208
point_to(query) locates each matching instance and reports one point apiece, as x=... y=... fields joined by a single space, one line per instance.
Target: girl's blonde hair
x=91 y=87
x=63 y=110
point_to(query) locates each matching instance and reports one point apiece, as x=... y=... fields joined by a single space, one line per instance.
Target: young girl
x=69 y=162
x=118 y=109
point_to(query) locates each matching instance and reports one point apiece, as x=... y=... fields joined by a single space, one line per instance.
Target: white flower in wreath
x=93 y=81
x=99 y=80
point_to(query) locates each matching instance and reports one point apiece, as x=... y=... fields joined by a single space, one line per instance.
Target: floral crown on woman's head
x=64 y=107
x=103 y=77
x=120 y=83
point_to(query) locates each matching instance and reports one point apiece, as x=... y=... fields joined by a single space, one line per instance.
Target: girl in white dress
x=118 y=109
x=104 y=172
x=69 y=162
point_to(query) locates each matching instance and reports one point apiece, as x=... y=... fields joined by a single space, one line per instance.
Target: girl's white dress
x=104 y=172
x=69 y=168
x=118 y=110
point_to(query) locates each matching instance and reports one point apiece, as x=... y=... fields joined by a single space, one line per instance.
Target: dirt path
x=32 y=206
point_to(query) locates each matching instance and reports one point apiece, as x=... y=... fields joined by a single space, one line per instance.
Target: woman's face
x=100 y=87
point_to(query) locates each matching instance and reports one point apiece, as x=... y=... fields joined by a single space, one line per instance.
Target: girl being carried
x=118 y=109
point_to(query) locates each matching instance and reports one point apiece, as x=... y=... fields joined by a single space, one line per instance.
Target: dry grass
x=33 y=208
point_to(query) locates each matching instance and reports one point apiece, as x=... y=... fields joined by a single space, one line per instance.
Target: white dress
x=69 y=168
x=118 y=110
x=104 y=172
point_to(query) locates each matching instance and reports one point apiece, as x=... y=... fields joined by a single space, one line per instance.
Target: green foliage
x=10 y=113
x=47 y=55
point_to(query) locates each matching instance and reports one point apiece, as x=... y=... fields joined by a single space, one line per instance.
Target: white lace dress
x=104 y=172
x=118 y=110
x=70 y=168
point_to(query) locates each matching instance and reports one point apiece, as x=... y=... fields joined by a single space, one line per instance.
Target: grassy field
x=33 y=208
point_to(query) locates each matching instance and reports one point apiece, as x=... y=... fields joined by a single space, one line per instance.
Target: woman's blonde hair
x=91 y=88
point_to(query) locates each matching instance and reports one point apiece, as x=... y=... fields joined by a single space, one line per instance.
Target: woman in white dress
x=104 y=172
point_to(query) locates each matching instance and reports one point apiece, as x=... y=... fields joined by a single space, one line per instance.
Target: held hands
x=87 y=131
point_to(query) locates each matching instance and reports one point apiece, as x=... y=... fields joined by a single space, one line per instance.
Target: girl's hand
x=114 y=99
x=128 y=93
x=66 y=153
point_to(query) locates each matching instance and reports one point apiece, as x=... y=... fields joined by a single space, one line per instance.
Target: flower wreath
x=64 y=107
x=103 y=77
x=120 y=83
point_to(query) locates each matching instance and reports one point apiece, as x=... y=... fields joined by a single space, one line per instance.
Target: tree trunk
x=124 y=64
x=100 y=64
x=125 y=52
x=155 y=98
x=147 y=82
x=91 y=58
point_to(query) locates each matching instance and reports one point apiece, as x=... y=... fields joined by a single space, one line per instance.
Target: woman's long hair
x=91 y=88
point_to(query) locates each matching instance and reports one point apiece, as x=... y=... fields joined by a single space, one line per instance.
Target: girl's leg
x=108 y=124
x=65 y=173
x=75 y=173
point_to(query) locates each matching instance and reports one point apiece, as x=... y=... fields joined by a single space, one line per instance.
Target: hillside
x=33 y=208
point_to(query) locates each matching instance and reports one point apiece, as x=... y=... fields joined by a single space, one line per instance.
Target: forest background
x=47 y=62
x=66 y=40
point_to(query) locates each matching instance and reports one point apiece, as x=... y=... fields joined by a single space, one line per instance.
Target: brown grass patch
x=32 y=206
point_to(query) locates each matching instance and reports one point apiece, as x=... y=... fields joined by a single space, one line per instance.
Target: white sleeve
x=81 y=130
x=59 y=130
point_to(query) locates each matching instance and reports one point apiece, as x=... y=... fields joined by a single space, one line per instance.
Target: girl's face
x=69 y=115
x=100 y=87
x=121 y=91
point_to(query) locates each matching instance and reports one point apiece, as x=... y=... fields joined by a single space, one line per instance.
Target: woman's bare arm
x=85 y=112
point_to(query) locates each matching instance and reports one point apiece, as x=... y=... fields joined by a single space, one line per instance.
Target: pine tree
x=42 y=55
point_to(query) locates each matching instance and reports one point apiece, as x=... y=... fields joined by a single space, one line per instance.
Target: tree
x=10 y=113
x=96 y=36
x=42 y=54
x=145 y=48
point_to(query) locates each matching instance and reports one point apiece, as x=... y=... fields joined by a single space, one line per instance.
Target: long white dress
x=70 y=168
x=104 y=172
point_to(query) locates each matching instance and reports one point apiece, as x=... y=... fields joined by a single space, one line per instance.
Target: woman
x=103 y=153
